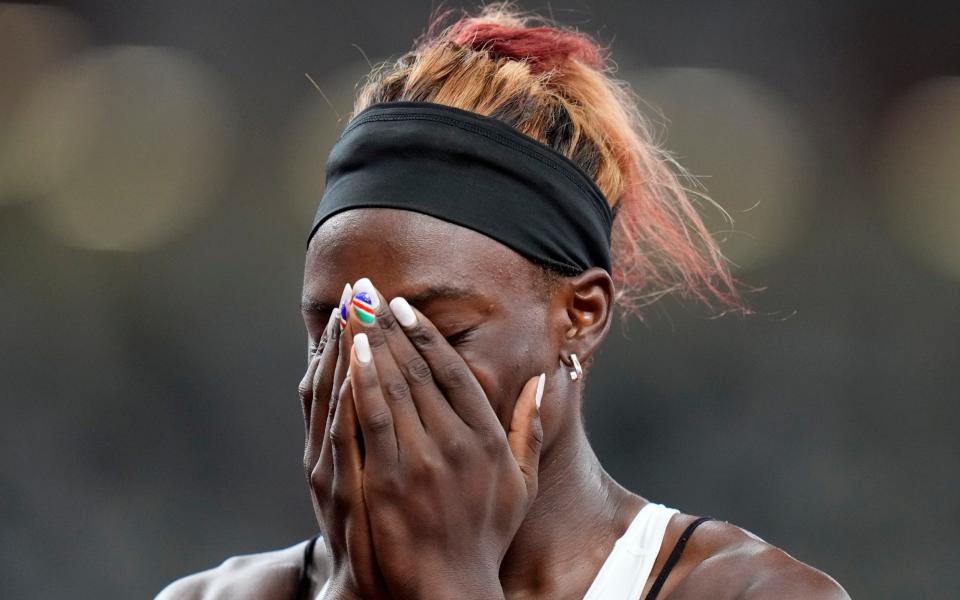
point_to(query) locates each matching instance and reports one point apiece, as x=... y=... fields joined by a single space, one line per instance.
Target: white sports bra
x=629 y=564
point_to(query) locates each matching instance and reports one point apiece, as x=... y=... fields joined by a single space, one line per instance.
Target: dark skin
x=546 y=515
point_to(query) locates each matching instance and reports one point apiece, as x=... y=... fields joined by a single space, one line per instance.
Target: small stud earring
x=577 y=371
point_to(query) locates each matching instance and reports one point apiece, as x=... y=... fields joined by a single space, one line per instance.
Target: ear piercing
x=577 y=371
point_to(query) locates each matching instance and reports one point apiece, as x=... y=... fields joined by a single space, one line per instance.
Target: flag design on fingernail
x=344 y=300
x=364 y=308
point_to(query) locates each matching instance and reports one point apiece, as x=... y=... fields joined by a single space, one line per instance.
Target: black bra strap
x=303 y=586
x=674 y=557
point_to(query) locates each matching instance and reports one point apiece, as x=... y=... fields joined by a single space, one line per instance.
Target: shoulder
x=727 y=561
x=265 y=576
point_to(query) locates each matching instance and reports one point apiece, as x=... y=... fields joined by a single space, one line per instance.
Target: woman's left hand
x=446 y=487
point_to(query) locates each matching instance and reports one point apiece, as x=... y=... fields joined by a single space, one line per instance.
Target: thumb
x=526 y=432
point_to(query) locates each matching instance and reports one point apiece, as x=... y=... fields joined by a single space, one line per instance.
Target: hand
x=332 y=464
x=447 y=487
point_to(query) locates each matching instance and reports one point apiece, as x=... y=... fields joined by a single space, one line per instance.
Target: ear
x=589 y=307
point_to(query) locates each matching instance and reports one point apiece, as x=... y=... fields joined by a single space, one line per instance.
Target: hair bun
x=543 y=48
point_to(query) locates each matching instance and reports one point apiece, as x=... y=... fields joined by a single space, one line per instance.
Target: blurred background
x=159 y=166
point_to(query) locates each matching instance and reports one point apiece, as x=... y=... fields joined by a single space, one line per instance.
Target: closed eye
x=461 y=336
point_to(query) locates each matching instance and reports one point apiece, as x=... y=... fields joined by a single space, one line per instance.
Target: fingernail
x=403 y=312
x=539 y=396
x=362 y=345
x=365 y=301
x=344 y=300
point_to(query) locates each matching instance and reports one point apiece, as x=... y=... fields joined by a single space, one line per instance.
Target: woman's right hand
x=332 y=464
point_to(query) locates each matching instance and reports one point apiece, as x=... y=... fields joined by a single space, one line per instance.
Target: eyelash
x=461 y=336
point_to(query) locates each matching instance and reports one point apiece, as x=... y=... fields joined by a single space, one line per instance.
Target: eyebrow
x=444 y=292
x=313 y=306
x=420 y=299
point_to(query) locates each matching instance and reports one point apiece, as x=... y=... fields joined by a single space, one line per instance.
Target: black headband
x=473 y=171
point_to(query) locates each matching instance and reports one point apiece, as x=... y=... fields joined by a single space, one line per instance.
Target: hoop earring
x=577 y=371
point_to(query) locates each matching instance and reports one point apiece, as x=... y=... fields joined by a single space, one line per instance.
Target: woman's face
x=481 y=295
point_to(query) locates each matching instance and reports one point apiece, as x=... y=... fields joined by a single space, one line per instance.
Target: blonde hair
x=555 y=85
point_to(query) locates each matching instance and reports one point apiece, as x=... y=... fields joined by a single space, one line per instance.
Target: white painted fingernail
x=365 y=301
x=362 y=345
x=365 y=286
x=344 y=302
x=539 y=395
x=402 y=310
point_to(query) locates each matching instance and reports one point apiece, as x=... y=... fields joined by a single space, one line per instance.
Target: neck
x=578 y=514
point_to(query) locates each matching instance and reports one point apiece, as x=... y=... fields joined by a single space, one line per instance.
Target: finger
x=306 y=384
x=526 y=433
x=343 y=344
x=449 y=371
x=437 y=415
x=328 y=338
x=306 y=390
x=311 y=403
x=385 y=336
x=376 y=420
x=323 y=471
x=323 y=380
x=346 y=460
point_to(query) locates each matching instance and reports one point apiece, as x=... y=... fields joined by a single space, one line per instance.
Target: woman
x=493 y=197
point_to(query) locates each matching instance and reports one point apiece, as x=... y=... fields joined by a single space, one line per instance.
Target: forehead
x=403 y=251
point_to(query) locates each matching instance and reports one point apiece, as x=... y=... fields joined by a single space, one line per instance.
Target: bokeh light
x=33 y=41
x=126 y=146
x=918 y=169
x=745 y=146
